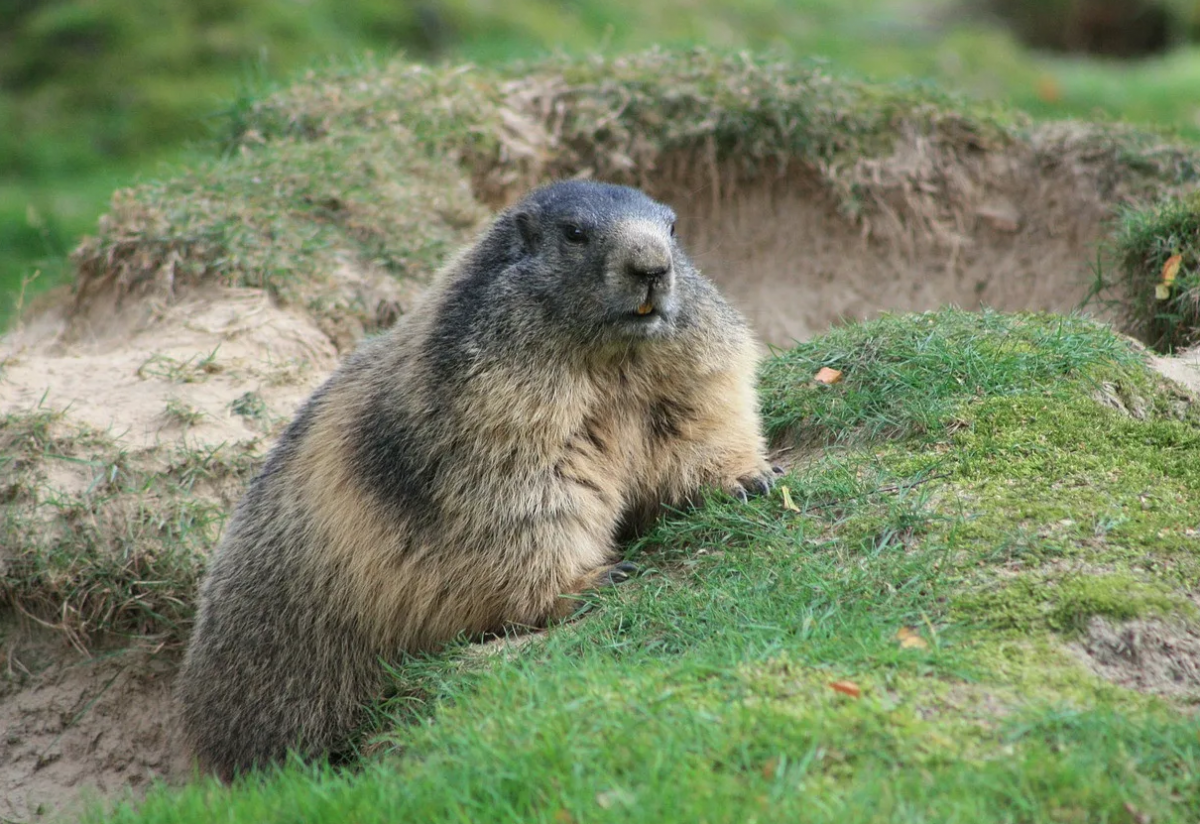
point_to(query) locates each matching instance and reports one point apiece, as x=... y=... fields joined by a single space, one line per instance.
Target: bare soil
x=1152 y=656
x=780 y=250
x=81 y=728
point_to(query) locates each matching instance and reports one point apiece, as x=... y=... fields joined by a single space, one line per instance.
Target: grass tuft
x=1164 y=314
x=101 y=541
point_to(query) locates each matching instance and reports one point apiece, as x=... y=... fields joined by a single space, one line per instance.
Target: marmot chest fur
x=562 y=378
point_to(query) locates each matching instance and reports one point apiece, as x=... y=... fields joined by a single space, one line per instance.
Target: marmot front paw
x=758 y=483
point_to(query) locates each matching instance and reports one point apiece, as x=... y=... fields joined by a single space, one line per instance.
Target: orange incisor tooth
x=645 y=309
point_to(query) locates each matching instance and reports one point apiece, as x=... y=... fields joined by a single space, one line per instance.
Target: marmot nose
x=653 y=270
x=648 y=256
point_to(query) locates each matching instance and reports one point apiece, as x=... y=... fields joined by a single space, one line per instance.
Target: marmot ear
x=531 y=232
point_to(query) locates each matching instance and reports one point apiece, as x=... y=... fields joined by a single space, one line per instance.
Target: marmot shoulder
x=563 y=377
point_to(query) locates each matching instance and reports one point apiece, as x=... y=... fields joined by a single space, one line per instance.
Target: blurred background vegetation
x=97 y=94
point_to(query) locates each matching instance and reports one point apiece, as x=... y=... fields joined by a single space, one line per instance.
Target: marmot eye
x=574 y=234
x=672 y=228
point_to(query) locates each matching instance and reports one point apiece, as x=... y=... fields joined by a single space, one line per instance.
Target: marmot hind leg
x=606 y=576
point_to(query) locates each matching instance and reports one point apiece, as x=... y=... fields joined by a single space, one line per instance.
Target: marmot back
x=563 y=377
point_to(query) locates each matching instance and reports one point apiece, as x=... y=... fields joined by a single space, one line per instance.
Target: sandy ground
x=1183 y=369
x=78 y=726
x=202 y=354
x=80 y=729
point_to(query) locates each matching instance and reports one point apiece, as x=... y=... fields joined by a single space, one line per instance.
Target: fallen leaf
x=1171 y=269
x=846 y=688
x=770 y=768
x=787 y=499
x=1047 y=89
x=828 y=376
x=564 y=817
x=910 y=639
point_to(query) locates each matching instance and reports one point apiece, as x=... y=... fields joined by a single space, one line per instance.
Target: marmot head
x=602 y=259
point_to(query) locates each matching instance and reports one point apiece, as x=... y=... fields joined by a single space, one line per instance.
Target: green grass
x=182 y=413
x=983 y=493
x=193 y=370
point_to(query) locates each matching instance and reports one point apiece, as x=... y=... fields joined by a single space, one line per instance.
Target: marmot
x=562 y=378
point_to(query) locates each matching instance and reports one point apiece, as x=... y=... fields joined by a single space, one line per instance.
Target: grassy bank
x=380 y=168
x=913 y=632
x=98 y=97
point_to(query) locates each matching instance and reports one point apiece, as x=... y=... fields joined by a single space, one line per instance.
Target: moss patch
x=1065 y=603
x=912 y=375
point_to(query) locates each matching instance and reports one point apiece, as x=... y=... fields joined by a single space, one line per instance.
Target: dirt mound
x=810 y=206
x=1153 y=656
x=209 y=307
x=856 y=197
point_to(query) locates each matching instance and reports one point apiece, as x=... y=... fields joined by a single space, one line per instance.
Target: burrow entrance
x=783 y=254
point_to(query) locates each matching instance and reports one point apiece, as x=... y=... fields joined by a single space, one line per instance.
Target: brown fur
x=462 y=474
